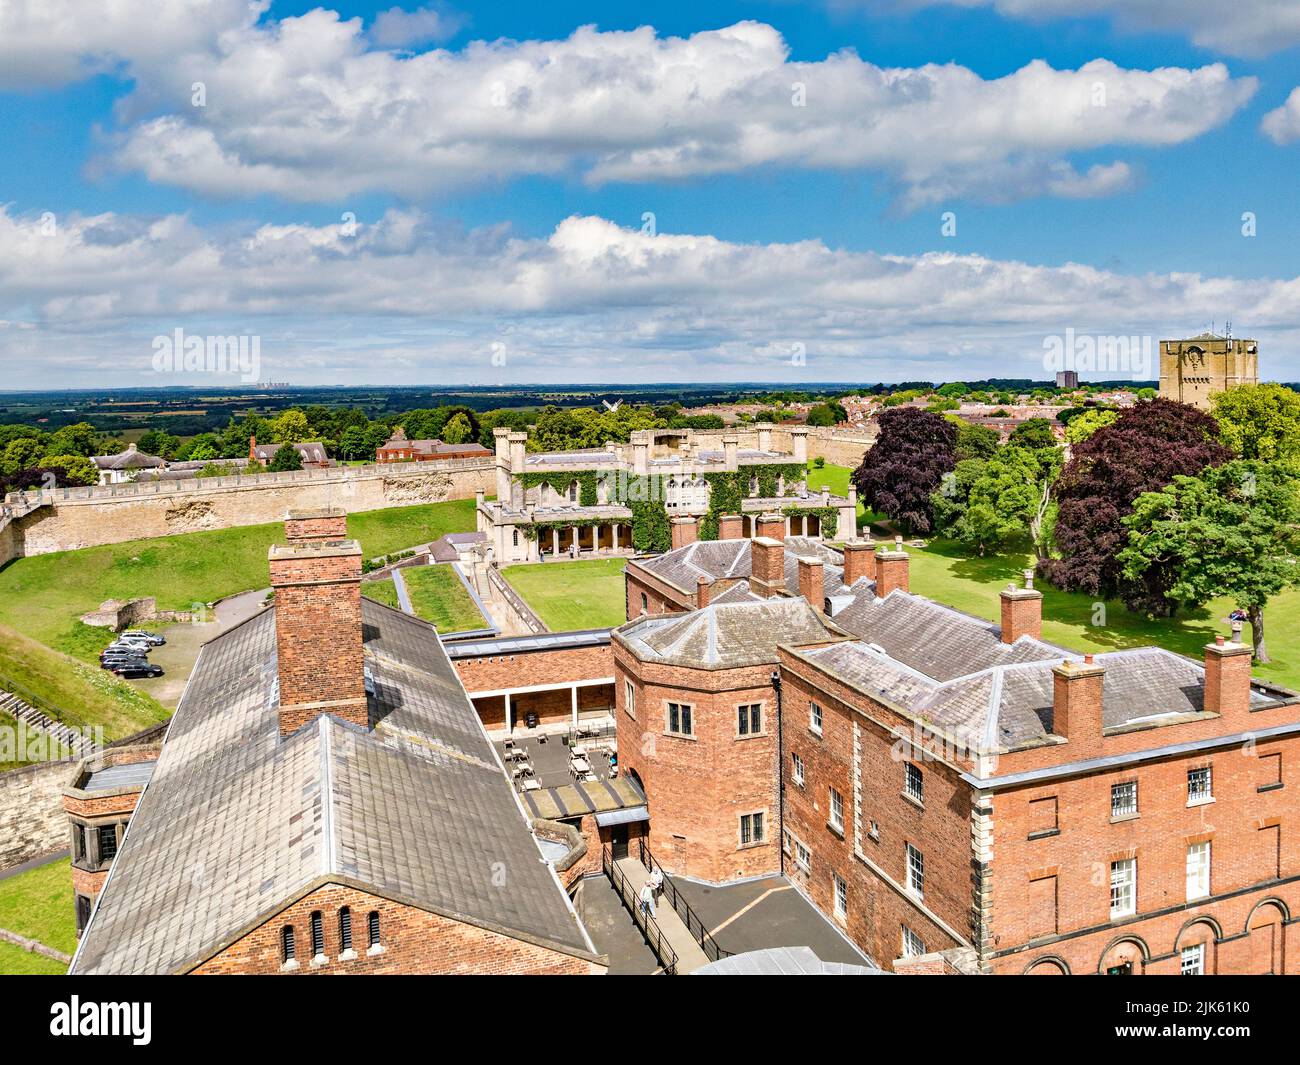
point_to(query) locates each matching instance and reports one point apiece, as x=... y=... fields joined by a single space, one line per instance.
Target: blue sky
x=504 y=243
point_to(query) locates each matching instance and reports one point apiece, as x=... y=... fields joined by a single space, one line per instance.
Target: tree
x=1087 y=422
x=352 y=445
x=457 y=430
x=1142 y=451
x=827 y=414
x=78 y=439
x=21 y=453
x=953 y=390
x=235 y=437
x=158 y=442
x=1230 y=530
x=290 y=428
x=1259 y=421
x=286 y=458
x=948 y=504
x=203 y=446
x=1033 y=433
x=12 y=432
x=906 y=464
x=77 y=469
x=1010 y=498
x=976 y=441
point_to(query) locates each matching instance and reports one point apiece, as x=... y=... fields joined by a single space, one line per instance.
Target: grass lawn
x=946 y=572
x=437 y=595
x=38 y=904
x=573 y=595
x=381 y=592
x=836 y=478
x=14 y=961
x=43 y=596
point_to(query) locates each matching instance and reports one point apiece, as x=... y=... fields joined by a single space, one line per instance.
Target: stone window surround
x=90 y=861
x=762 y=720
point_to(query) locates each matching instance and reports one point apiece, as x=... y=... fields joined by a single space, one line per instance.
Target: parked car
x=137 y=669
x=109 y=661
x=130 y=646
x=154 y=639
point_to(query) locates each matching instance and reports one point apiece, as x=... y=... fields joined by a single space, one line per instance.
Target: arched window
x=373 y=923
x=345 y=929
x=317 y=934
x=287 y=949
x=573 y=491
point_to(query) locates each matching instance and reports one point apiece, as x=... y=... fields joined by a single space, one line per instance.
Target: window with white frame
x=796 y=768
x=912 y=945
x=815 y=718
x=749 y=719
x=1192 y=962
x=751 y=829
x=913 y=785
x=1200 y=785
x=841 y=894
x=679 y=719
x=1123 y=887
x=629 y=698
x=1198 y=870
x=836 y=810
x=1124 y=799
x=915 y=871
x=794 y=847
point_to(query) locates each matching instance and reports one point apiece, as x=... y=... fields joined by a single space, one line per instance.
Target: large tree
x=1145 y=448
x=1259 y=421
x=1231 y=530
x=1011 y=499
x=906 y=465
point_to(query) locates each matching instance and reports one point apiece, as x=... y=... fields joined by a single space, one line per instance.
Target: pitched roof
x=130 y=459
x=237 y=821
x=722 y=559
x=726 y=635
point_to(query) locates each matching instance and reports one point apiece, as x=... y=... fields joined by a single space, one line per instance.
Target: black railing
x=649 y=927
x=694 y=925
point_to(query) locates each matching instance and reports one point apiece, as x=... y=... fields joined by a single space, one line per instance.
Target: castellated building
x=1193 y=370
x=581 y=502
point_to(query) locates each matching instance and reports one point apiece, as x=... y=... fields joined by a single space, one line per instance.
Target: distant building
x=125 y=465
x=398 y=448
x=312 y=452
x=1192 y=370
x=1067 y=379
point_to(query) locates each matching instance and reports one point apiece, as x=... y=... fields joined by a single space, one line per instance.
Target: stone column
x=555 y=540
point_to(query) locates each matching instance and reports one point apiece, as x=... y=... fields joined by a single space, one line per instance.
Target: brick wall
x=494 y=672
x=414 y=941
x=660 y=596
x=697 y=788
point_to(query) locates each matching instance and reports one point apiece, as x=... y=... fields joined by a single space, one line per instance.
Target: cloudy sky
x=493 y=194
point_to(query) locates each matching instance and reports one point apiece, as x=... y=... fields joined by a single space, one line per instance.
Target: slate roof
x=721 y=559
x=726 y=635
x=784 y=961
x=311 y=451
x=236 y=821
x=130 y=459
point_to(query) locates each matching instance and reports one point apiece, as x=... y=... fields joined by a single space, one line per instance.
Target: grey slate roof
x=130 y=459
x=236 y=821
x=722 y=559
x=726 y=635
x=783 y=961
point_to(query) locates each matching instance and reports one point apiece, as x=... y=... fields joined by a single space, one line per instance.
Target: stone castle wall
x=89 y=517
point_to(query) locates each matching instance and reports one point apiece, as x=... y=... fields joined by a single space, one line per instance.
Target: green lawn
x=42 y=596
x=437 y=595
x=38 y=904
x=836 y=478
x=946 y=572
x=14 y=961
x=381 y=591
x=573 y=595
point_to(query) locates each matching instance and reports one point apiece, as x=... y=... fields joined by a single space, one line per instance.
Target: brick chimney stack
x=1022 y=611
x=1077 y=702
x=812 y=582
x=683 y=531
x=859 y=561
x=317 y=583
x=767 y=567
x=770 y=525
x=731 y=527
x=891 y=569
x=1227 y=676
x=703 y=592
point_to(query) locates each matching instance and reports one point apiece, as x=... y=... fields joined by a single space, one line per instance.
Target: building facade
x=1193 y=370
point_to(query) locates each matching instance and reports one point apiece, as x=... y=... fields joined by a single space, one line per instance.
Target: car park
x=153 y=639
x=138 y=668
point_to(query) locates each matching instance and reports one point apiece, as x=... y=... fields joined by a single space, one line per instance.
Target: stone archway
x=1051 y=965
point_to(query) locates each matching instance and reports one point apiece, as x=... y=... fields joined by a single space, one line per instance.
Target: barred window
x=1200 y=786
x=912 y=782
x=1124 y=799
x=345 y=929
x=317 y=934
x=107 y=843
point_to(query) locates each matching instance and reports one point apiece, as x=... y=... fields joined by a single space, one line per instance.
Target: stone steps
x=70 y=738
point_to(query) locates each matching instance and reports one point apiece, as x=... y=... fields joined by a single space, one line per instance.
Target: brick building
x=327 y=801
x=397 y=448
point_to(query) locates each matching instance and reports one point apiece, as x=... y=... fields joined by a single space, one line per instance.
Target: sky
x=501 y=194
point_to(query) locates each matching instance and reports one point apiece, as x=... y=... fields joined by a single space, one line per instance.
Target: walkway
x=689 y=954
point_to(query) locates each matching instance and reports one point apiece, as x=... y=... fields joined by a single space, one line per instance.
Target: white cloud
x=1282 y=124
x=397 y=28
x=1241 y=27
x=51 y=42
x=403 y=300
x=304 y=109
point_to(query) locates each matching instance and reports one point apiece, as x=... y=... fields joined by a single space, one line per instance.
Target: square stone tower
x=1192 y=370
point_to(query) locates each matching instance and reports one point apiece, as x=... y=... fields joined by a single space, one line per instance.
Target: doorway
x=618 y=841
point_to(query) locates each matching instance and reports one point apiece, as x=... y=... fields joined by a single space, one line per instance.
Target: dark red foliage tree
x=35 y=477
x=1141 y=451
x=898 y=475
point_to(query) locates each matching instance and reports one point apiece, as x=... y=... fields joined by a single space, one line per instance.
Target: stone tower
x=1192 y=370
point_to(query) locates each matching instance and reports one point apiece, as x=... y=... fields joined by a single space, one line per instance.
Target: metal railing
x=694 y=925
x=649 y=927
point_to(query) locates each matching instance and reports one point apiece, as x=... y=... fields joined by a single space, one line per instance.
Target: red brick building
x=397 y=448
x=327 y=801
